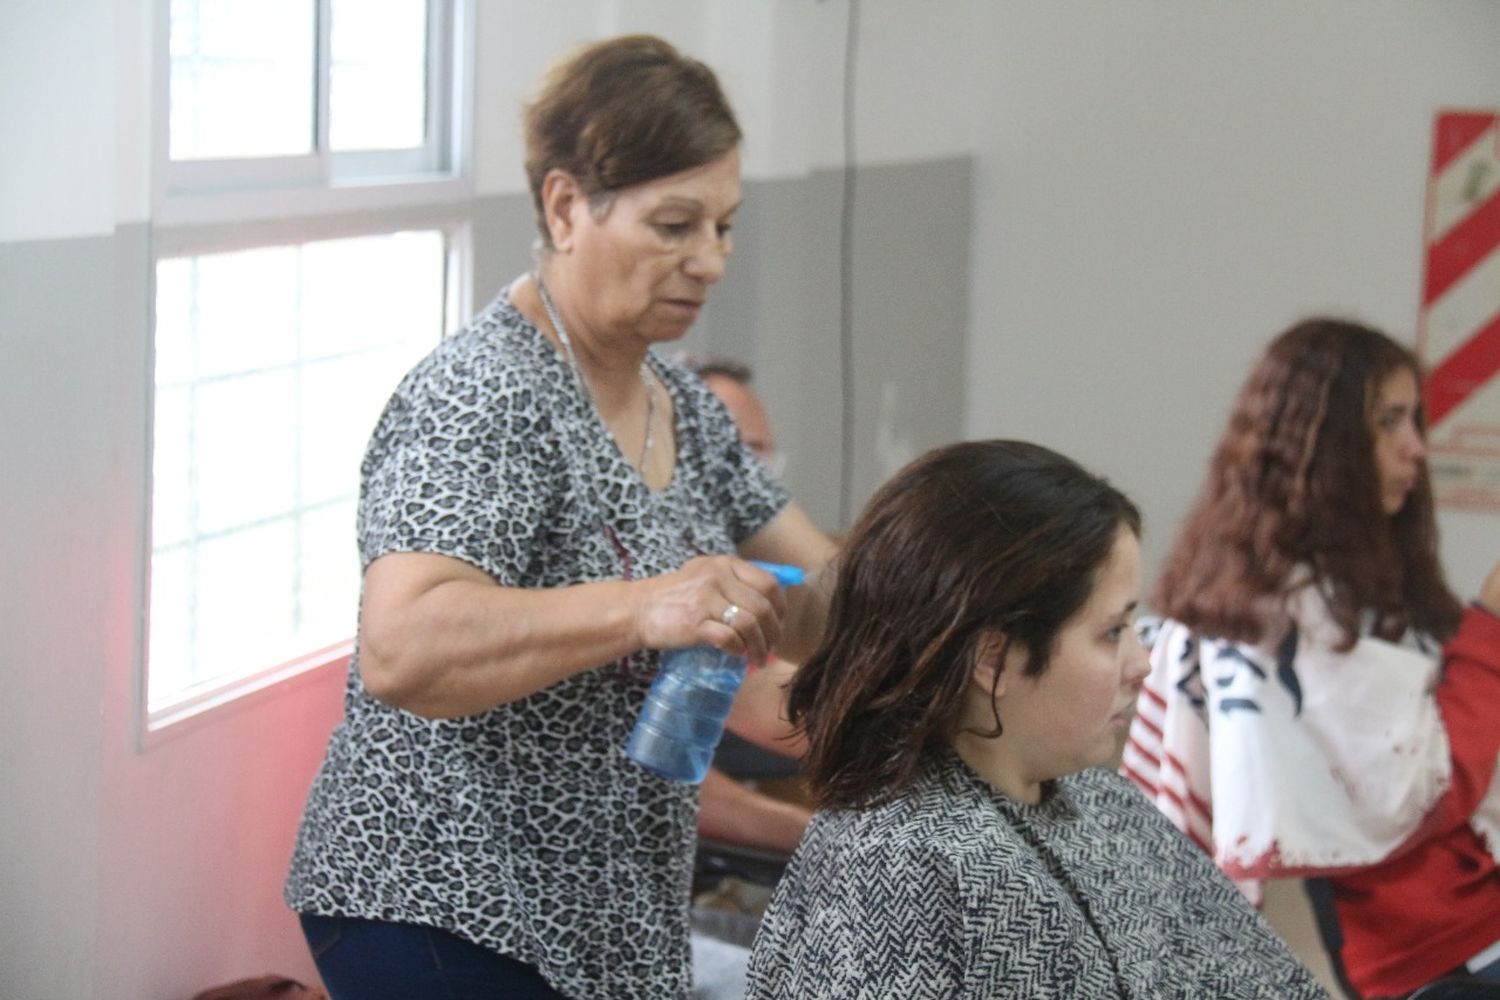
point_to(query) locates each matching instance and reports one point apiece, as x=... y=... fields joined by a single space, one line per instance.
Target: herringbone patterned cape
x=954 y=890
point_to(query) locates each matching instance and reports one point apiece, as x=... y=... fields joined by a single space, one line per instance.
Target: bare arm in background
x=733 y=812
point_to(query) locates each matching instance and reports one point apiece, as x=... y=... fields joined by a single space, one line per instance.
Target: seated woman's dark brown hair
x=983 y=536
x=979 y=667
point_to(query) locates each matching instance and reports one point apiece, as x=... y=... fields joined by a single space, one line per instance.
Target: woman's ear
x=989 y=662
x=561 y=197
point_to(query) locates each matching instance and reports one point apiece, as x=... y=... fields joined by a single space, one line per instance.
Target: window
x=280 y=326
x=261 y=95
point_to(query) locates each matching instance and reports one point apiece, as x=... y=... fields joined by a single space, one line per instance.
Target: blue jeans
x=376 y=960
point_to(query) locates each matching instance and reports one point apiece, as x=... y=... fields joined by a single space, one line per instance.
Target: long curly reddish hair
x=1293 y=483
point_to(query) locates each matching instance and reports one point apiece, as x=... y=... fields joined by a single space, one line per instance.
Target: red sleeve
x=1468 y=698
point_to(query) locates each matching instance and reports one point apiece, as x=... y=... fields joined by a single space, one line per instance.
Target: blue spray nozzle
x=787 y=576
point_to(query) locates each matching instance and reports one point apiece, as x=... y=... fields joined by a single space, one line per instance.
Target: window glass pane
x=172 y=501
x=174 y=321
x=346 y=394
x=341 y=313
x=378 y=91
x=244 y=602
x=243 y=591
x=243 y=78
x=246 y=311
x=244 y=450
x=272 y=367
x=328 y=586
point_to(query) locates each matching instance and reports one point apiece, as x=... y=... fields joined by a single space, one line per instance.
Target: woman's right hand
x=1489 y=591
x=441 y=638
x=691 y=607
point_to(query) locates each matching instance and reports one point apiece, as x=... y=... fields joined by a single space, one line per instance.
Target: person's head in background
x=731 y=382
x=983 y=602
x=1323 y=465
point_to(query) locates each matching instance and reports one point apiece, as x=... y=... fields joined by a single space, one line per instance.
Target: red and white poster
x=1459 y=328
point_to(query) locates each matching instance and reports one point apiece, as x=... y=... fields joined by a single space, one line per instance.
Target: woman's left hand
x=792 y=538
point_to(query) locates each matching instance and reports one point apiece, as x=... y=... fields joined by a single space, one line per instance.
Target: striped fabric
x=1459 y=332
x=1293 y=758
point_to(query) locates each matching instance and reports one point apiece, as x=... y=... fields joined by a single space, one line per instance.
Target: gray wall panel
x=503 y=234
x=56 y=330
x=780 y=311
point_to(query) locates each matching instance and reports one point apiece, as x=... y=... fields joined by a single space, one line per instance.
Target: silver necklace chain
x=648 y=377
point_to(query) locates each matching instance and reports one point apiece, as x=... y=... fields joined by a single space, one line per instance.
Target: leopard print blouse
x=525 y=828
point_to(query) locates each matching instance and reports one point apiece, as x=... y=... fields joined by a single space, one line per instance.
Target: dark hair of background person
x=622 y=112
x=967 y=540
x=1294 y=481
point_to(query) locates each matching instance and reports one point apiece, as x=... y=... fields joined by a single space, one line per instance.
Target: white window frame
x=194 y=192
x=215 y=206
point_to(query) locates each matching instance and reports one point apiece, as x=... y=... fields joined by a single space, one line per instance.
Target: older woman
x=545 y=504
x=980 y=662
x=1320 y=703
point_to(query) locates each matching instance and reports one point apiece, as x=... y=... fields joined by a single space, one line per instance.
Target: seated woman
x=979 y=663
x=1299 y=718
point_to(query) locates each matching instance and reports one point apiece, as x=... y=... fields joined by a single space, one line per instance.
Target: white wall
x=56 y=66
x=1163 y=186
x=779 y=62
x=1159 y=187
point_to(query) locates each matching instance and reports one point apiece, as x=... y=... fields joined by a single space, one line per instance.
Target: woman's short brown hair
x=974 y=538
x=621 y=112
x=1293 y=483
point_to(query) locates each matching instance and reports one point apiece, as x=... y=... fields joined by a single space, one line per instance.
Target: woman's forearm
x=759 y=710
x=441 y=639
x=733 y=812
x=807 y=616
x=791 y=537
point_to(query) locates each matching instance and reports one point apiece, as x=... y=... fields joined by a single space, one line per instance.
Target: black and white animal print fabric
x=954 y=890
x=525 y=828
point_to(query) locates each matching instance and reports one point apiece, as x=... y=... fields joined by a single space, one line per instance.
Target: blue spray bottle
x=683 y=718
